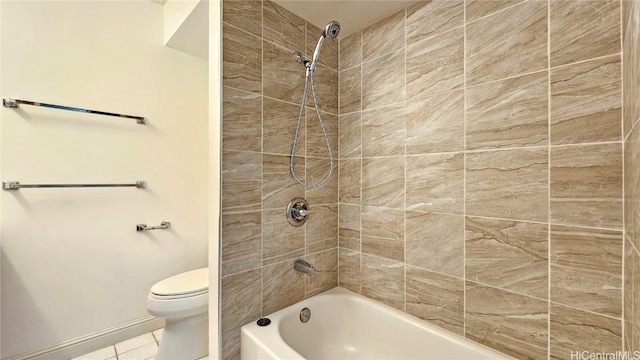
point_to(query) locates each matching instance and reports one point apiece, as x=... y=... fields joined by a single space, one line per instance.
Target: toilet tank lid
x=185 y=283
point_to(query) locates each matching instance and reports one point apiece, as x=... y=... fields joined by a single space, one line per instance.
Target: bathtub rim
x=273 y=338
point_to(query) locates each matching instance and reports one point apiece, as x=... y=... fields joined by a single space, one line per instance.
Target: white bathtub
x=345 y=325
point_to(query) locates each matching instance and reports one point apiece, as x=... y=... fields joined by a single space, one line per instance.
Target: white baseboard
x=88 y=343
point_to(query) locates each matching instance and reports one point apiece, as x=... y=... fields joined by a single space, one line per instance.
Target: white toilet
x=182 y=300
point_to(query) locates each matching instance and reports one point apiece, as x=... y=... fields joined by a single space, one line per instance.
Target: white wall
x=72 y=263
x=215 y=123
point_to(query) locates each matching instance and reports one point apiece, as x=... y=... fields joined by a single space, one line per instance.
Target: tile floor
x=143 y=347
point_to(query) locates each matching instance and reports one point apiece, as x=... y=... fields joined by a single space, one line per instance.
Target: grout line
x=261 y=267
x=361 y=168
x=495 y=12
x=338 y=167
x=464 y=170
x=404 y=233
x=544 y=69
x=548 y=300
x=623 y=137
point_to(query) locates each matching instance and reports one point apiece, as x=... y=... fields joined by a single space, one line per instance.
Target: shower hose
x=324 y=132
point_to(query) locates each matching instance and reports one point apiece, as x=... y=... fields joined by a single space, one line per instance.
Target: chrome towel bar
x=15 y=103
x=14 y=185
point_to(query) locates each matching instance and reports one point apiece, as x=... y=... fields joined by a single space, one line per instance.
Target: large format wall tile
x=586 y=102
x=429 y=18
x=586 y=269
x=383 y=232
x=632 y=193
x=508 y=113
x=326 y=84
x=509 y=184
x=507 y=43
x=383 y=37
x=383 y=80
x=511 y=255
x=573 y=329
x=241 y=304
x=383 y=181
x=516 y=324
x=322 y=229
x=383 y=280
x=350 y=90
x=242 y=60
x=325 y=274
x=242 y=242
x=280 y=241
x=436 y=298
x=631 y=56
x=350 y=50
x=231 y=344
x=435 y=242
x=284 y=28
x=279 y=127
x=586 y=185
x=278 y=187
x=282 y=286
x=636 y=304
x=282 y=78
x=241 y=299
x=244 y=14
x=316 y=142
x=350 y=171
x=435 y=124
x=350 y=136
x=317 y=170
x=349 y=274
x=435 y=183
x=436 y=65
x=349 y=226
x=241 y=179
x=242 y=125
x=583 y=30
x=627 y=293
x=480 y=8
x=384 y=131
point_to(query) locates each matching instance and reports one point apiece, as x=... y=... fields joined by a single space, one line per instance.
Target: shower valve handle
x=297 y=211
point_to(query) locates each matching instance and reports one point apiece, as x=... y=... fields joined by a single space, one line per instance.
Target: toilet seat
x=188 y=284
x=179 y=296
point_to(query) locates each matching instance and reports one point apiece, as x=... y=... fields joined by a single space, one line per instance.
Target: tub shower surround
x=262 y=92
x=481 y=171
x=480 y=185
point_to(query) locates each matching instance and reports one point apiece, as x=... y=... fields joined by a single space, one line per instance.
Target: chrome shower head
x=332 y=30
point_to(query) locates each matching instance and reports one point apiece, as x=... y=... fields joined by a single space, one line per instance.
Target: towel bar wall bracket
x=144 y=227
x=15 y=103
x=15 y=185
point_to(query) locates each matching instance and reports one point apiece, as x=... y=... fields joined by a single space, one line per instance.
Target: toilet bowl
x=182 y=300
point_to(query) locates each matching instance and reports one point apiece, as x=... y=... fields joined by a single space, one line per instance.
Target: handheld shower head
x=331 y=31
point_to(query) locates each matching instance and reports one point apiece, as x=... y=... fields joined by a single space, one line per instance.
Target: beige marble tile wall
x=631 y=115
x=262 y=92
x=481 y=171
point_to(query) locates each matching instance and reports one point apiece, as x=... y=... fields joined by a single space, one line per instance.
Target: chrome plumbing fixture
x=331 y=31
x=303 y=267
x=144 y=227
x=297 y=211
